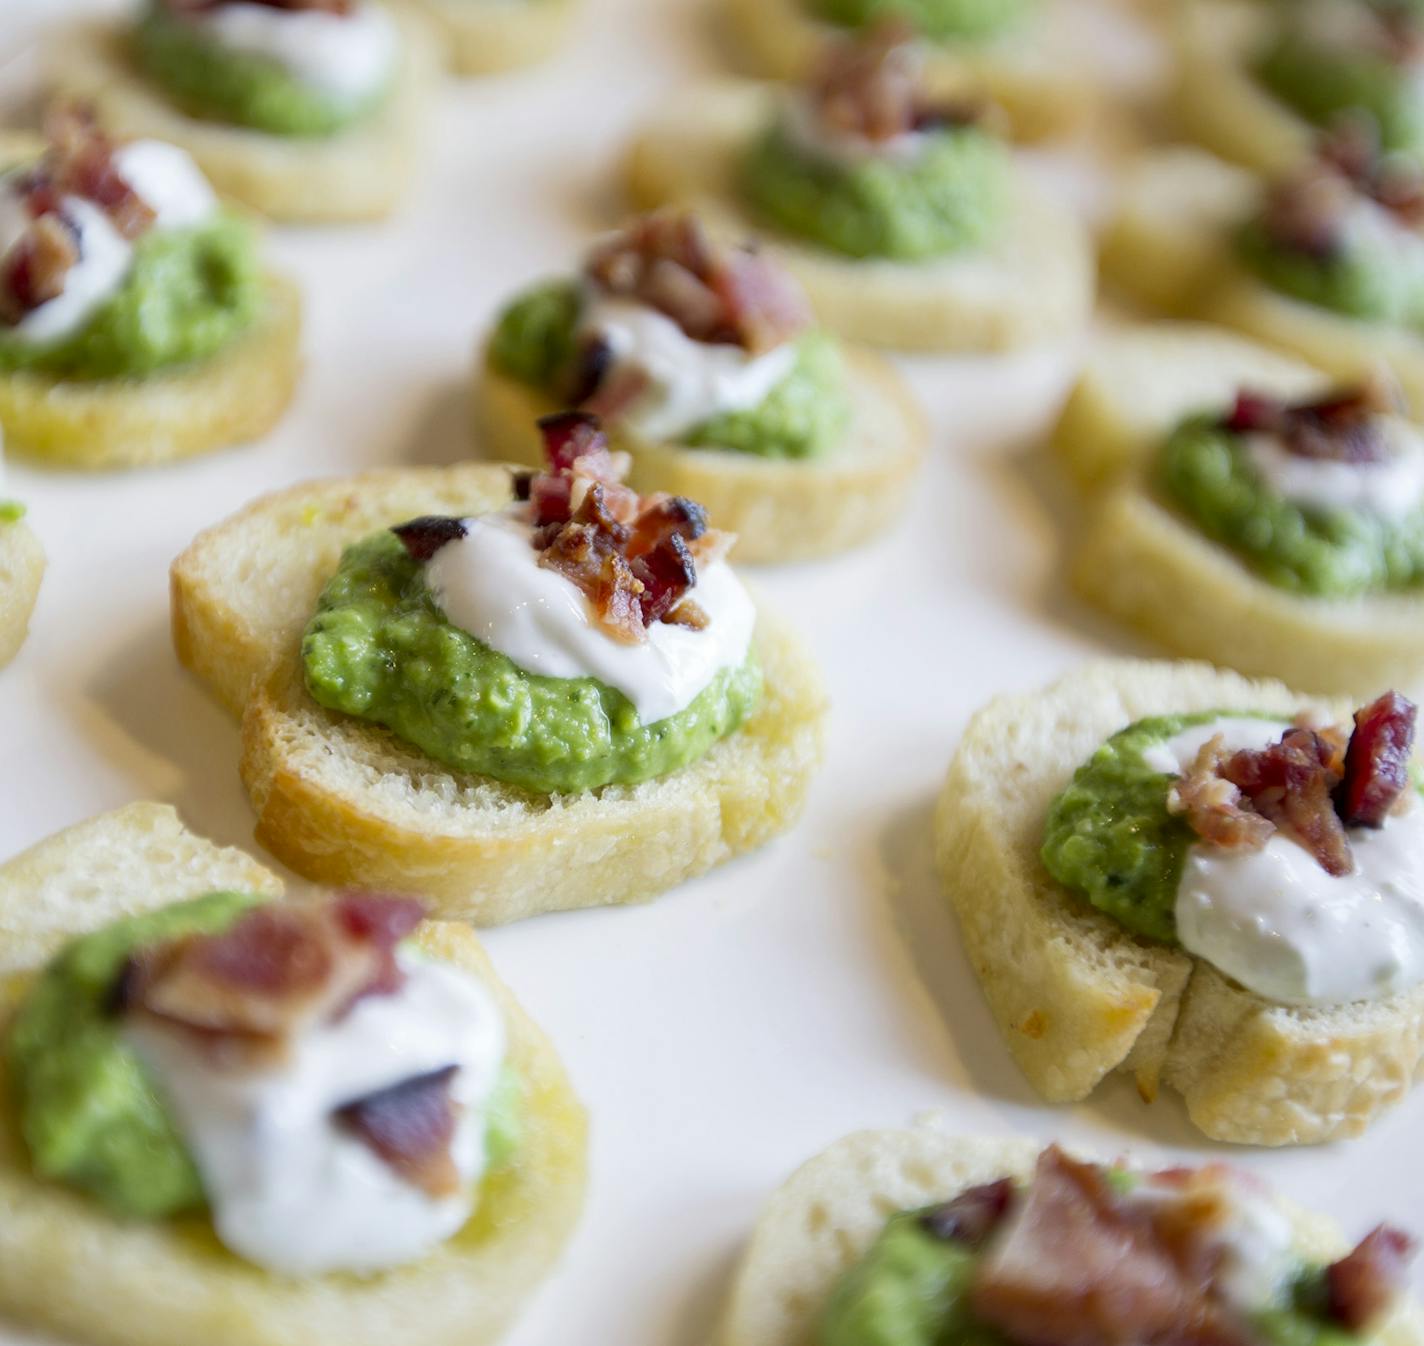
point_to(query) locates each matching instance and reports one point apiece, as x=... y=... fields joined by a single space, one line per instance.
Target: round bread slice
x=358 y=174
x=22 y=567
x=481 y=38
x=1169 y=246
x=780 y=509
x=1047 y=76
x=1034 y=281
x=68 y=1267
x=1077 y=996
x=341 y=800
x=1141 y=380
x=1218 y=102
x=825 y=1217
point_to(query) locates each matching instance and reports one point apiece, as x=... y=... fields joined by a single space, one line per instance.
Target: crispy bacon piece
x=690 y=614
x=33 y=272
x=720 y=295
x=666 y=573
x=80 y=162
x=423 y=537
x=591 y=558
x=1362 y=1286
x=410 y=1126
x=972 y=1216
x=1376 y=770
x=1340 y=428
x=1213 y=807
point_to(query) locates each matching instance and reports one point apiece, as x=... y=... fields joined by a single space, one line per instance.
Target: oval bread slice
x=68 y=1267
x=339 y=799
x=1078 y=997
x=22 y=567
x=359 y=174
x=780 y=509
x=824 y=1218
x=1034 y=282
x=482 y=38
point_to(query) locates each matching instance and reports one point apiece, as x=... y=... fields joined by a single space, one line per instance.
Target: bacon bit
x=972 y=1216
x=723 y=296
x=593 y=364
x=1213 y=806
x=689 y=614
x=341 y=7
x=34 y=271
x=1363 y=1286
x=410 y=1126
x=423 y=537
x=619 y=388
x=1376 y=770
x=1340 y=428
x=590 y=559
x=870 y=88
x=80 y=162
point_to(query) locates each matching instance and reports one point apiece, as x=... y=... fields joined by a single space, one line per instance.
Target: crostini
x=307 y=111
x=703 y=362
x=512 y=693
x=906 y=220
x=246 y=1121
x=22 y=567
x=919 y=1235
x=137 y=324
x=1164 y=869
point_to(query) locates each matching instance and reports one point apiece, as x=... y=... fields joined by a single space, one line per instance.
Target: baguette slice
x=339 y=799
x=359 y=174
x=1142 y=380
x=824 y=1218
x=1169 y=246
x=68 y=1267
x=1033 y=283
x=780 y=509
x=1077 y=997
x=22 y=567
x=1046 y=77
x=484 y=36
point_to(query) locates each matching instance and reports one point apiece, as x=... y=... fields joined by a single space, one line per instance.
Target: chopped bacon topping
x=33 y=272
x=1362 y=1286
x=410 y=1126
x=1340 y=428
x=971 y=1216
x=1214 y=807
x=1377 y=761
x=423 y=537
x=871 y=88
x=721 y=295
x=341 y=7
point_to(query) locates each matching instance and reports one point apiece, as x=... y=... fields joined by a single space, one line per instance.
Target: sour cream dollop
x=289 y=1189
x=344 y=56
x=168 y=181
x=689 y=382
x=1275 y=921
x=806 y=129
x=490 y=584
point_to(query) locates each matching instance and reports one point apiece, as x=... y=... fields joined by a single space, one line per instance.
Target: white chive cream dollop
x=1274 y=920
x=289 y=1188
x=490 y=584
x=169 y=183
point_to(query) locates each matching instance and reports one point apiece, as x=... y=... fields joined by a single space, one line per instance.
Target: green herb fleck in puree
x=380 y=648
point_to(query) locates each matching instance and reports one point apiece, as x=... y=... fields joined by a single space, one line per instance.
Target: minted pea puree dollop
x=942 y=20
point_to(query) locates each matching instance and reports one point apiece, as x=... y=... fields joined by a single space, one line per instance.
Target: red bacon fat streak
x=1313 y=784
x=635 y=558
x=1342 y=428
x=340 y=7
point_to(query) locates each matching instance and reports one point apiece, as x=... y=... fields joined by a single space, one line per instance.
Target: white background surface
x=731 y=1030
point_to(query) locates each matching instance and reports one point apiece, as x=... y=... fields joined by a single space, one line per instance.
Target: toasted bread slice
x=780 y=509
x=1077 y=996
x=359 y=174
x=1169 y=246
x=824 y=1218
x=22 y=567
x=67 y=1266
x=339 y=799
x=1034 y=282
x=481 y=38
x=1142 y=380
x=1046 y=75
x=1218 y=102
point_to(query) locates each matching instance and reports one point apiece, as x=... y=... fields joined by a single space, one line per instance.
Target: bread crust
x=232 y=397
x=22 y=567
x=360 y=174
x=339 y=797
x=824 y=1218
x=1034 y=282
x=1044 y=79
x=780 y=509
x=1078 y=997
x=66 y=1266
x=480 y=39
